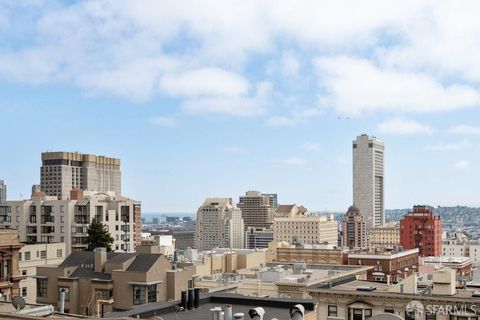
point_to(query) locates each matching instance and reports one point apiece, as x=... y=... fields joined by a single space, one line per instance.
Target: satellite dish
x=18 y=302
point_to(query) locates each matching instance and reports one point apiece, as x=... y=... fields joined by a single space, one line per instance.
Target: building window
x=43 y=254
x=389 y=311
x=67 y=293
x=27 y=255
x=24 y=292
x=138 y=295
x=332 y=311
x=152 y=293
x=24 y=272
x=359 y=314
x=104 y=294
x=41 y=287
x=59 y=253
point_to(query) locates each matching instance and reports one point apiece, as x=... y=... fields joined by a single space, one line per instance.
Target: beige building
x=368 y=174
x=122 y=280
x=43 y=219
x=257 y=209
x=409 y=299
x=229 y=261
x=219 y=225
x=10 y=275
x=387 y=236
x=32 y=256
x=306 y=229
x=64 y=171
x=290 y=211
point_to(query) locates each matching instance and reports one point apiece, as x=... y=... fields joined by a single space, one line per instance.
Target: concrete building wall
x=219 y=225
x=368 y=179
x=3 y=191
x=257 y=209
x=63 y=171
x=385 y=236
x=45 y=220
x=310 y=229
x=37 y=255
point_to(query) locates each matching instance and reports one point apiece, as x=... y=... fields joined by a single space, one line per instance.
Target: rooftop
x=274 y=308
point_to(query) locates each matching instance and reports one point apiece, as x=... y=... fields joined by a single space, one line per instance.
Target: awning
x=378 y=274
x=140 y=283
x=40 y=277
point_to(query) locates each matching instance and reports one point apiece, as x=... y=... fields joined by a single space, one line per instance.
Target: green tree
x=98 y=236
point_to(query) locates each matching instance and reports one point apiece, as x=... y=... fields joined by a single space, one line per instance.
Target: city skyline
x=206 y=101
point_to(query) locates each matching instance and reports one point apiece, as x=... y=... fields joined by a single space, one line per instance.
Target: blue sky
x=219 y=97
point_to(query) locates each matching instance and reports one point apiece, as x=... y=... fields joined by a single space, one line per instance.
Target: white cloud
x=465 y=129
x=296 y=161
x=296 y=116
x=462 y=164
x=400 y=126
x=412 y=56
x=355 y=85
x=449 y=146
x=236 y=105
x=164 y=121
x=205 y=81
x=312 y=147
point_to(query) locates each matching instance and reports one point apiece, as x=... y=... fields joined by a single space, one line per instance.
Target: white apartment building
x=368 y=176
x=34 y=255
x=43 y=219
x=219 y=225
x=462 y=247
x=306 y=229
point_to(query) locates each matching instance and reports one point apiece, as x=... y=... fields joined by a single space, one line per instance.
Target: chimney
x=76 y=194
x=100 y=258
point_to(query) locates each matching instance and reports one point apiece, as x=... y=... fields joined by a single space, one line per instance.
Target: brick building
x=10 y=275
x=388 y=266
x=421 y=229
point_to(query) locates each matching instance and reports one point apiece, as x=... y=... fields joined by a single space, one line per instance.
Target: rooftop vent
x=366 y=288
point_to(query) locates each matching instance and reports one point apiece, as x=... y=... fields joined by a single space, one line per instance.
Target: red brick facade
x=423 y=230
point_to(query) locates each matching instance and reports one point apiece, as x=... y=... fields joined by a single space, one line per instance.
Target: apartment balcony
x=47 y=219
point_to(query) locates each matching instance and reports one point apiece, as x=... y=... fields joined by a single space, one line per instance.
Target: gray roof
x=121 y=258
x=84 y=262
x=83 y=272
x=79 y=258
x=143 y=262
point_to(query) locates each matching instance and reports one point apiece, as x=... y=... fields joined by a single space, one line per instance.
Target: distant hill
x=459 y=215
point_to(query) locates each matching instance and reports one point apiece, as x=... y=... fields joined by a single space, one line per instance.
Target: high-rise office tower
x=368 y=184
x=354 y=234
x=64 y=171
x=219 y=225
x=3 y=191
x=257 y=209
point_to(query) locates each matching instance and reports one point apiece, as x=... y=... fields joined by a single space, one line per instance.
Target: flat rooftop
x=383 y=288
x=274 y=307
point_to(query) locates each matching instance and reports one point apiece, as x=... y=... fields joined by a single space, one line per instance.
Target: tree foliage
x=98 y=236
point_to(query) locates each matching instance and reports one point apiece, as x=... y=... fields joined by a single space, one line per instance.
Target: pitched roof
x=143 y=262
x=83 y=272
x=285 y=207
x=79 y=258
x=84 y=261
